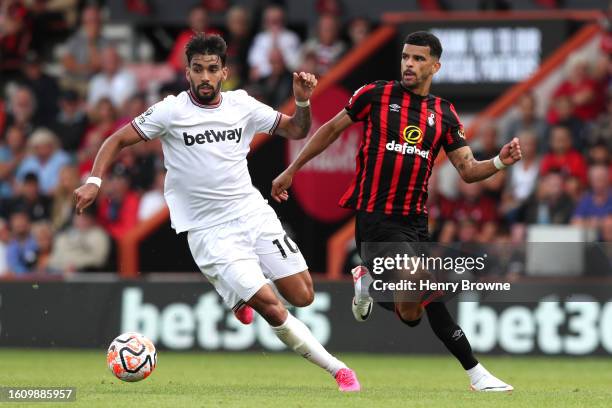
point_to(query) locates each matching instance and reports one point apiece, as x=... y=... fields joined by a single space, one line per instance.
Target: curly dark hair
x=425 y=39
x=204 y=44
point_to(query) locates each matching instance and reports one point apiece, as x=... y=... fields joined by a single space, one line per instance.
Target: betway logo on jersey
x=212 y=136
x=405 y=148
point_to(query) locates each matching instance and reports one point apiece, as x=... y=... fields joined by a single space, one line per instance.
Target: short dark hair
x=425 y=39
x=206 y=45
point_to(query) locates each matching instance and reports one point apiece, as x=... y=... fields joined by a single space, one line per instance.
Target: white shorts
x=238 y=256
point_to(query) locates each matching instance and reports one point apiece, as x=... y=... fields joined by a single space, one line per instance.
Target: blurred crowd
x=65 y=87
x=564 y=177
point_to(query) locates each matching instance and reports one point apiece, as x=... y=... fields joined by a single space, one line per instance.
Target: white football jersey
x=205 y=149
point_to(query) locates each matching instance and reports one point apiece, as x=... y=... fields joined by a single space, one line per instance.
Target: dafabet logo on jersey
x=411 y=136
x=212 y=136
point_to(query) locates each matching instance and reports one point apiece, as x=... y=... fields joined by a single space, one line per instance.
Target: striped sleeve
x=455 y=135
x=360 y=104
x=153 y=122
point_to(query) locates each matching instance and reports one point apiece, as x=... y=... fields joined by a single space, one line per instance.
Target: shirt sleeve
x=359 y=105
x=263 y=118
x=152 y=123
x=455 y=135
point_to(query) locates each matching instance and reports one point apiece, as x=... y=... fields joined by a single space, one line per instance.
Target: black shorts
x=401 y=231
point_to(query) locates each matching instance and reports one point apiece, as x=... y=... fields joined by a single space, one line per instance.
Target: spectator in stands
x=605 y=235
x=326 y=45
x=488 y=148
x=238 y=40
x=15 y=38
x=71 y=122
x=358 y=30
x=566 y=117
x=29 y=199
x=45 y=160
x=599 y=153
x=43 y=235
x=528 y=119
x=581 y=89
x=4 y=240
x=48 y=26
x=597 y=203
x=45 y=87
x=12 y=153
x=601 y=131
x=153 y=200
x=198 y=23
x=82 y=58
x=523 y=177
x=118 y=209
x=133 y=107
x=63 y=200
x=113 y=81
x=562 y=156
x=333 y=7
x=21 y=109
x=276 y=87
x=274 y=35
x=549 y=204
x=84 y=246
x=21 y=252
x=103 y=119
x=474 y=206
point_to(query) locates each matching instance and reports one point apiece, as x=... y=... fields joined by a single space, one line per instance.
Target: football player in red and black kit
x=404 y=128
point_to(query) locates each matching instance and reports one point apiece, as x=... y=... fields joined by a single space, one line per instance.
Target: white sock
x=299 y=338
x=476 y=373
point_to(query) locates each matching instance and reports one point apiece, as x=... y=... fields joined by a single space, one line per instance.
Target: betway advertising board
x=191 y=316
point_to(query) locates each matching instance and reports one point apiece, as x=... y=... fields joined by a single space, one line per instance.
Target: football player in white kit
x=235 y=237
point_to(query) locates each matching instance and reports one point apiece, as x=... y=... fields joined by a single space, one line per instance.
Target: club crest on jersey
x=461 y=132
x=431 y=118
x=213 y=136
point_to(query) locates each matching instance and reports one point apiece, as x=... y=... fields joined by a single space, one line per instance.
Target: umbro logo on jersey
x=394 y=107
x=212 y=136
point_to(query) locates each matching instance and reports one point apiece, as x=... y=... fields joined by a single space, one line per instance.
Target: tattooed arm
x=472 y=170
x=298 y=125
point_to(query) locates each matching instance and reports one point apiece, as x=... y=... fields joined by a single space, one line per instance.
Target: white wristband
x=302 y=104
x=94 y=180
x=499 y=165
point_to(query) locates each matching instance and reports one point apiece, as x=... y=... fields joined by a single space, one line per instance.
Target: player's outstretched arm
x=298 y=125
x=322 y=138
x=85 y=195
x=472 y=170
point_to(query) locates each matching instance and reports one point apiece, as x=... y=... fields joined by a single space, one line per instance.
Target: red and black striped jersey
x=403 y=133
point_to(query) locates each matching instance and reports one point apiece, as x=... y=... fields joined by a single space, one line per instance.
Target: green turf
x=285 y=380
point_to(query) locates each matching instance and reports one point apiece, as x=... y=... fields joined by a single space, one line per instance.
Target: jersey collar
x=201 y=105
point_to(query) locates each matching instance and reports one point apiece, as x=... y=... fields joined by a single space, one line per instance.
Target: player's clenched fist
x=303 y=85
x=280 y=186
x=511 y=152
x=84 y=196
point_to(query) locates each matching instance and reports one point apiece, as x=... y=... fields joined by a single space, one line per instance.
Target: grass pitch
x=285 y=380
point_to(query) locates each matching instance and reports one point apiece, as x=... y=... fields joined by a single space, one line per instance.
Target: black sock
x=450 y=334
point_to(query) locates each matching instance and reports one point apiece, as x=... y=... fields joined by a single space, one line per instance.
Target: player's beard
x=205 y=100
x=415 y=83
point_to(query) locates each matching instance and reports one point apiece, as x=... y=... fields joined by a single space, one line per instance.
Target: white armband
x=499 y=165
x=94 y=180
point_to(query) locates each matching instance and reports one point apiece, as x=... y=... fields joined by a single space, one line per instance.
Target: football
x=131 y=357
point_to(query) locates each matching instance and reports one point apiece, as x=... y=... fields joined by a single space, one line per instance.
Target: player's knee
x=304 y=298
x=410 y=316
